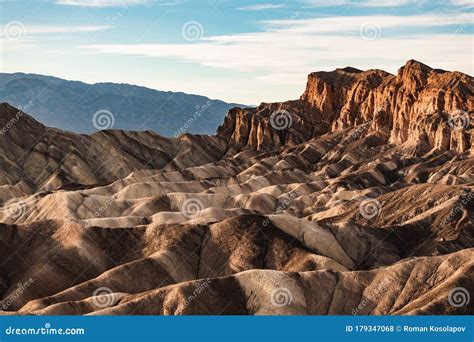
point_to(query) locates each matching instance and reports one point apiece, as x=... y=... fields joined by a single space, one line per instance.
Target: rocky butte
x=414 y=105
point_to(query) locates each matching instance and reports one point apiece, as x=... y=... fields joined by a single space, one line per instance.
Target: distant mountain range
x=86 y=108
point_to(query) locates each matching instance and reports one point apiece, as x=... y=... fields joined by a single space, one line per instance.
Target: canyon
x=355 y=199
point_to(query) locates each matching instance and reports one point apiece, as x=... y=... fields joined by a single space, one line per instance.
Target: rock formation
x=418 y=104
x=357 y=198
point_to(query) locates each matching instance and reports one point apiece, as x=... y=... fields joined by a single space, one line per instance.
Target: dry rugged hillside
x=358 y=198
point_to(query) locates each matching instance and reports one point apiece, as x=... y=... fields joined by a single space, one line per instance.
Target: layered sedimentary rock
x=37 y=158
x=340 y=212
x=420 y=104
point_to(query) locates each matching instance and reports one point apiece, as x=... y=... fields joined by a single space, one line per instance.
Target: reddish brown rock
x=416 y=105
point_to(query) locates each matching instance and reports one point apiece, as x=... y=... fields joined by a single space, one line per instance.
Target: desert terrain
x=355 y=199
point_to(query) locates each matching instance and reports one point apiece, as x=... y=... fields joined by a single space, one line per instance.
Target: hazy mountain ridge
x=71 y=105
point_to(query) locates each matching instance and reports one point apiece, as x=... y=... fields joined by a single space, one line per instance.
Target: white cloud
x=32 y=30
x=465 y=3
x=16 y=36
x=351 y=24
x=260 y=7
x=288 y=50
x=101 y=3
x=295 y=56
x=64 y=29
x=20 y=44
x=385 y=3
x=362 y=3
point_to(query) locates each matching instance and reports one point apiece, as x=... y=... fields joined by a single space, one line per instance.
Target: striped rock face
x=356 y=199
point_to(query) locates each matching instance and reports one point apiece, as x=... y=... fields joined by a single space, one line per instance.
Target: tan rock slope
x=358 y=198
x=37 y=158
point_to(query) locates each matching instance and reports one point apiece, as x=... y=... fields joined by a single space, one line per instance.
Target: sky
x=244 y=52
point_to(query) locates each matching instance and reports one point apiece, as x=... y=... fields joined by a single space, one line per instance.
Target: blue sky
x=239 y=51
